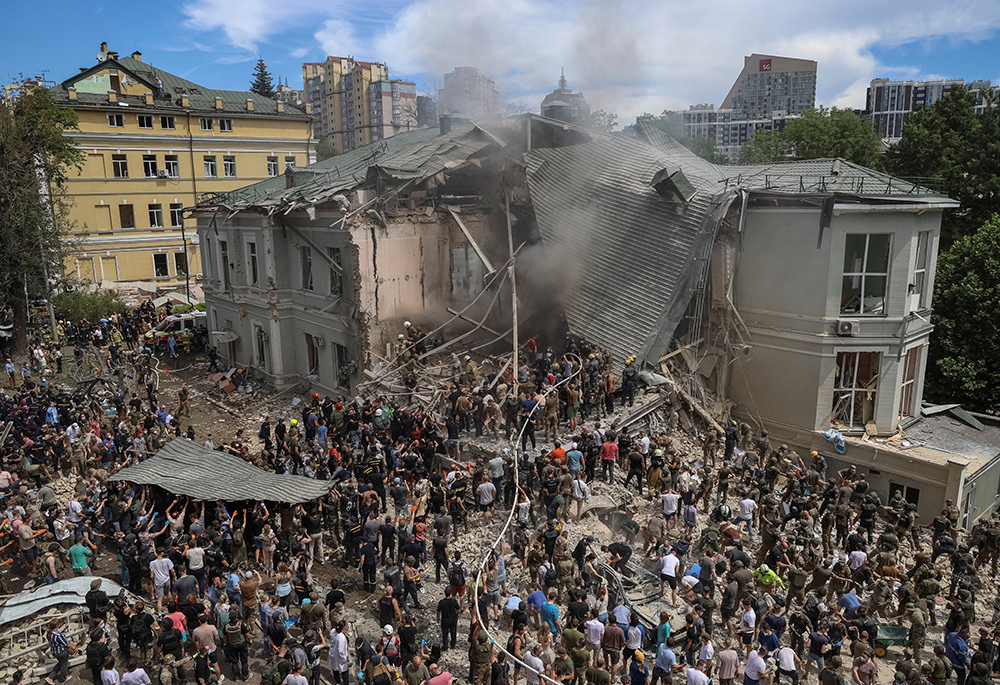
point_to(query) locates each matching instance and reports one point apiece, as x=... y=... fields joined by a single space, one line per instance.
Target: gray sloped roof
x=627 y=256
x=413 y=154
x=183 y=467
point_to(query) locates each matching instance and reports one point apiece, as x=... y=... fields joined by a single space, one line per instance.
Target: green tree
x=262 y=83
x=35 y=157
x=602 y=121
x=950 y=142
x=325 y=149
x=818 y=134
x=672 y=123
x=964 y=364
x=81 y=303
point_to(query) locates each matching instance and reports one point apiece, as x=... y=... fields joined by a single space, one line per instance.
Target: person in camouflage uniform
x=918 y=629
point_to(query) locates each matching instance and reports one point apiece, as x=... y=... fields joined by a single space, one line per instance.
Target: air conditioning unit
x=845 y=327
x=161 y=173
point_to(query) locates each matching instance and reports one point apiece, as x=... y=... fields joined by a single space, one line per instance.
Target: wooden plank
x=472 y=241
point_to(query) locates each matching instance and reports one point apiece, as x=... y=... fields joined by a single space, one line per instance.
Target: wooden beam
x=679 y=350
x=463 y=317
x=472 y=241
x=316 y=248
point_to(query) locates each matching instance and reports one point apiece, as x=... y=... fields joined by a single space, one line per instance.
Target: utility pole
x=513 y=284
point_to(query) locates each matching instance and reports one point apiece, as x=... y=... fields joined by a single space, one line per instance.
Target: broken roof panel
x=603 y=223
x=186 y=468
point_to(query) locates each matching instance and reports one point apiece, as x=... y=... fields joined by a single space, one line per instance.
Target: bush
x=91 y=305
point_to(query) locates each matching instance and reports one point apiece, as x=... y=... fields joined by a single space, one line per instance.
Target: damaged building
x=794 y=297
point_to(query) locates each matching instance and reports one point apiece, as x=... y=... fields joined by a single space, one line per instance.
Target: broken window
x=918 y=290
x=312 y=354
x=307 y=273
x=252 y=263
x=910 y=494
x=908 y=387
x=336 y=277
x=866 y=272
x=224 y=255
x=855 y=385
x=261 y=339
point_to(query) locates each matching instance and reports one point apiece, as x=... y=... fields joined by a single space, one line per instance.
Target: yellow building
x=153 y=143
x=342 y=86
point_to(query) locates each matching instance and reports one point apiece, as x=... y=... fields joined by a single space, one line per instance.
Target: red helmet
x=315 y=395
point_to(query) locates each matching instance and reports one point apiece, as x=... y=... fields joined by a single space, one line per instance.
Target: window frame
x=166 y=262
x=121 y=217
x=272 y=171
x=149 y=166
x=920 y=270
x=253 y=264
x=211 y=160
x=336 y=277
x=312 y=354
x=140 y=118
x=206 y=123
x=908 y=373
x=176 y=214
x=224 y=259
x=305 y=264
x=289 y=161
x=168 y=119
x=119 y=163
x=155 y=211
x=225 y=125
x=864 y=274
x=850 y=359
x=178 y=271
x=229 y=163
x=116 y=120
x=172 y=165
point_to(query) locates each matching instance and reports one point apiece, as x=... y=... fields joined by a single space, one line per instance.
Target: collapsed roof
x=183 y=467
x=628 y=220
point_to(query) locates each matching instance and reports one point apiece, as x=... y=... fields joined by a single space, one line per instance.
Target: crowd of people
x=771 y=565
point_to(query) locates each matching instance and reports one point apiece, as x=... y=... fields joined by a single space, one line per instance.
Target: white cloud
x=632 y=56
x=299 y=53
x=627 y=56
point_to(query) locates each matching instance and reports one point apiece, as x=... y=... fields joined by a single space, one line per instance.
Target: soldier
x=918 y=629
x=830 y=674
x=551 y=416
x=797 y=579
x=710 y=446
x=182 y=401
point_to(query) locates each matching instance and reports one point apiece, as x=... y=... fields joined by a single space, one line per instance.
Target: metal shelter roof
x=183 y=467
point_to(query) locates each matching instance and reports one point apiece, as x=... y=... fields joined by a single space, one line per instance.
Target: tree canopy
x=964 y=364
x=602 y=121
x=35 y=158
x=262 y=83
x=672 y=123
x=325 y=149
x=951 y=142
x=818 y=134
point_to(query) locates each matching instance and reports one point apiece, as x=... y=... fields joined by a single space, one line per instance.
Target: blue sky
x=627 y=56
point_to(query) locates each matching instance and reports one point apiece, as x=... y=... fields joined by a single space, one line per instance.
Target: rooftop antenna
x=562 y=79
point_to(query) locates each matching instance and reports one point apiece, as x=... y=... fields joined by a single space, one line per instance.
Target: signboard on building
x=765 y=65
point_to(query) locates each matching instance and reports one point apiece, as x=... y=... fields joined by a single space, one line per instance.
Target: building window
x=910 y=494
x=272 y=166
x=312 y=354
x=116 y=120
x=224 y=254
x=226 y=125
x=918 y=291
x=119 y=164
x=866 y=272
x=307 y=275
x=145 y=120
x=908 y=387
x=167 y=122
x=180 y=263
x=160 y=267
x=206 y=124
x=289 y=162
x=176 y=214
x=229 y=166
x=210 y=170
x=149 y=165
x=855 y=385
x=127 y=215
x=252 y=264
x=173 y=166
x=156 y=216
x=336 y=276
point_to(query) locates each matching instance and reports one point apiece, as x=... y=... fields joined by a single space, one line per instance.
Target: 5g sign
x=765 y=65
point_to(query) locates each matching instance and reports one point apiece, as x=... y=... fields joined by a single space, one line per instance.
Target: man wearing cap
x=248 y=595
x=830 y=675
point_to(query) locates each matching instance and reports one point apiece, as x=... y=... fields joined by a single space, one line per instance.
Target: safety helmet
x=294 y=422
x=315 y=395
x=401 y=336
x=467 y=357
x=764 y=568
x=406 y=324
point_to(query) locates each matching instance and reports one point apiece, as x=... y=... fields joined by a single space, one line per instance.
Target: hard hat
x=592 y=355
x=401 y=336
x=764 y=568
x=294 y=422
x=406 y=324
x=315 y=395
x=467 y=357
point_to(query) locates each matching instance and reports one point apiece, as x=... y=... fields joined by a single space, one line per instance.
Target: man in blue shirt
x=665 y=662
x=52 y=415
x=574 y=460
x=957 y=650
x=550 y=614
x=534 y=602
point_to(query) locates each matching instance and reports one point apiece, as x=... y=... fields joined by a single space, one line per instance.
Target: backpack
x=234 y=633
x=141 y=632
x=381 y=676
x=551 y=577
x=272 y=672
x=456 y=575
x=947 y=668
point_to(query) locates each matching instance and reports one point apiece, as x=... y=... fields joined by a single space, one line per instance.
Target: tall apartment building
x=355 y=103
x=769 y=91
x=890 y=103
x=467 y=94
x=393 y=106
x=154 y=143
x=565 y=105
